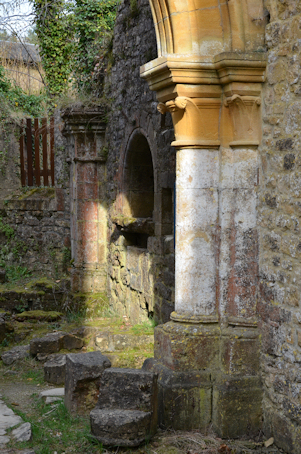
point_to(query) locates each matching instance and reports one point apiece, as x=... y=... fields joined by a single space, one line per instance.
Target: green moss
x=40 y=192
x=90 y=304
x=49 y=316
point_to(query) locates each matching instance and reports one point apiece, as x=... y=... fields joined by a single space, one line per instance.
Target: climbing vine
x=94 y=22
x=54 y=28
x=73 y=38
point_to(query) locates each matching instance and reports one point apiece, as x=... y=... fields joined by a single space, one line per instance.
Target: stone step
x=126 y=428
x=129 y=389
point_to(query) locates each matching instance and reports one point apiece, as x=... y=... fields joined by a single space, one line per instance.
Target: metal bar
x=44 y=143
x=23 y=174
x=37 y=151
x=52 y=149
x=29 y=152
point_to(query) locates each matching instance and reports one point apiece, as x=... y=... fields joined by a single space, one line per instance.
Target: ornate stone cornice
x=165 y=74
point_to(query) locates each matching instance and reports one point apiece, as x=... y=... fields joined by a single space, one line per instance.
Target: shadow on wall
x=141 y=227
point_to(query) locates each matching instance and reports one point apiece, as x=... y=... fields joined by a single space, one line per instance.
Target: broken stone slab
x=83 y=373
x=128 y=428
x=55 y=392
x=22 y=433
x=51 y=343
x=129 y=389
x=55 y=369
x=15 y=354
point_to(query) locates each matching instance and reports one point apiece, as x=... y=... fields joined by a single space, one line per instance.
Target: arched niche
x=138 y=179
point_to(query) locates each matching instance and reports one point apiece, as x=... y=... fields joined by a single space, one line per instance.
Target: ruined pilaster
x=85 y=132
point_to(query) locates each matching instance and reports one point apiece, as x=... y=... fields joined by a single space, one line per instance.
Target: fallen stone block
x=15 y=354
x=22 y=433
x=71 y=342
x=51 y=343
x=83 y=373
x=127 y=428
x=129 y=389
x=55 y=369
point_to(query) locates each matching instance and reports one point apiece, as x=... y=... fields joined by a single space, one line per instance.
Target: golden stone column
x=208 y=75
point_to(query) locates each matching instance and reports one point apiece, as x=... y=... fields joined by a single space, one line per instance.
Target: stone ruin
x=191 y=214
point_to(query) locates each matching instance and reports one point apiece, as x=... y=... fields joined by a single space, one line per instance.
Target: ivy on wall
x=53 y=26
x=72 y=38
x=94 y=22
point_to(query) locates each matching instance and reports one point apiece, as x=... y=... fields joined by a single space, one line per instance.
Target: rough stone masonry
x=227 y=75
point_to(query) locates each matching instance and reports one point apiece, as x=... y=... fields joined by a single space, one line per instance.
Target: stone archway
x=209 y=74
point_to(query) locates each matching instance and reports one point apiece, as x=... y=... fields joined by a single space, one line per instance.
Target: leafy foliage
x=94 y=23
x=13 y=98
x=53 y=26
x=73 y=38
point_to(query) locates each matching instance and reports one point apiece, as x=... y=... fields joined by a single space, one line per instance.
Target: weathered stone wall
x=35 y=222
x=279 y=220
x=141 y=255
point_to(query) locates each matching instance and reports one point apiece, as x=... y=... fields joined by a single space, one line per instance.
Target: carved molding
x=245 y=116
x=195 y=121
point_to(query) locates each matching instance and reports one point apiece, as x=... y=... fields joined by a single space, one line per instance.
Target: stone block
x=240 y=356
x=237 y=406
x=16 y=353
x=51 y=343
x=128 y=389
x=55 y=369
x=71 y=342
x=127 y=428
x=185 y=399
x=83 y=373
x=187 y=347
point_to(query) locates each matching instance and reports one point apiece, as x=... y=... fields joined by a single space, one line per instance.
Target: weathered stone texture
x=279 y=220
x=82 y=380
x=39 y=217
x=141 y=250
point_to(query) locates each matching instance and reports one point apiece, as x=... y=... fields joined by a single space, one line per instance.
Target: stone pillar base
x=208 y=375
x=88 y=279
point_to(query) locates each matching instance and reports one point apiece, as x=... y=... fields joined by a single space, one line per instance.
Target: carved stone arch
x=208 y=27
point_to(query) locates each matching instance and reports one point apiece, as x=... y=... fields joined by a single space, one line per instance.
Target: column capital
x=195 y=121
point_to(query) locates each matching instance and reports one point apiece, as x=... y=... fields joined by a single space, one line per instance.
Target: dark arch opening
x=139 y=178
